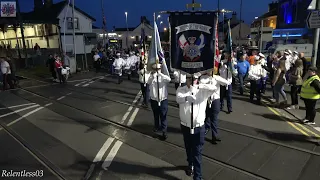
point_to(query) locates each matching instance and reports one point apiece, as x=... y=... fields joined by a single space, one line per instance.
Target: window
x=70 y=25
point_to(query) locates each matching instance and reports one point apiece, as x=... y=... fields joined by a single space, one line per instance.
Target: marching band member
x=118 y=63
x=198 y=95
x=226 y=91
x=143 y=78
x=213 y=105
x=179 y=79
x=256 y=74
x=263 y=81
x=158 y=82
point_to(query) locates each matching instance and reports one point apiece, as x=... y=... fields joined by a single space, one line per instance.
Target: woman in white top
x=256 y=75
x=96 y=59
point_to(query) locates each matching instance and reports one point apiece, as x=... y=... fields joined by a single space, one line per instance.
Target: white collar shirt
x=118 y=63
x=162 y=81
x=202 y=92
x=179 y=77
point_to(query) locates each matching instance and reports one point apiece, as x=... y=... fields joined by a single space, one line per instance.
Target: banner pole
x=157 y=59
x=192 y=129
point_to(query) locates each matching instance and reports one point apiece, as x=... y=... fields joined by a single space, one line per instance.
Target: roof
x=49 y=14
x=273 y=12
x=124 y=29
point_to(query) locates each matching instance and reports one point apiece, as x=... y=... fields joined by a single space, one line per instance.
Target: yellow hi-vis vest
x=309 y=92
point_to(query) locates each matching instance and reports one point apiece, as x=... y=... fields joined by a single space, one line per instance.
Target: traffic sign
x=313 y=19
x=194 y=5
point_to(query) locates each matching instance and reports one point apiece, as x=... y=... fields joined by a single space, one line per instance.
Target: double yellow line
x=299 y=127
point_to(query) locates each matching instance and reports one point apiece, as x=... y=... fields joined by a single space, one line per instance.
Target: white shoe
x=305 y=120
x=291 y=107
x=310 y=123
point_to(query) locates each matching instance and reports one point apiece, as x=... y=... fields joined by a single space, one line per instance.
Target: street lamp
x=161 y=22
x=165 y=29
x=126 y=13
x=159 y=16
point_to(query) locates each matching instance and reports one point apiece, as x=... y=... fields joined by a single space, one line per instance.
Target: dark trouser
x=310 y=109
x=53 y=74
x=228 y=94
x=255 y=89
x=212 y=117
x=7 y=79
x=241 y=78
x=160 y=114
x=145 y=93
x=97 y=65
x=294 y=94
x=194 y=145
x=176 y=85
x=59 y=74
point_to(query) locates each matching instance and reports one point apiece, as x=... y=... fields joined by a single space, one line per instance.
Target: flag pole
x=157 y=59
x=144 y=57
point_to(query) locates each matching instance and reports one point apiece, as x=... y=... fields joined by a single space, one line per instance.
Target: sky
x=115 y=9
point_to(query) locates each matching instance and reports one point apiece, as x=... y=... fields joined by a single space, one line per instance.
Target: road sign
x=194 y=5
x=313 y=19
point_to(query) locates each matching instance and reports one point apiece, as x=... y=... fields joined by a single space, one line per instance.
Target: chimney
x=273 y=5
x=233 y=19
x=38 y=4
x=48 y=3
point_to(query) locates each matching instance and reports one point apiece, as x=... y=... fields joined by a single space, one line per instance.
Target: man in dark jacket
x=50 y=64
x=304 y=60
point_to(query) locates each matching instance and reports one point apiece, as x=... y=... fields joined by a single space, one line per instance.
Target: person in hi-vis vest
x=310 y=93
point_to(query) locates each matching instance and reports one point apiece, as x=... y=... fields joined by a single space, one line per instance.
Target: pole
x=316 y=40
x=22 y=33
x=157 y=60
x=192 y=129
x=127 y=30
x=103 y=41
x=74 y=34
x=85 y=53
x=223 y=26
x=240 y=19
x=261 y=33
x=192 y=5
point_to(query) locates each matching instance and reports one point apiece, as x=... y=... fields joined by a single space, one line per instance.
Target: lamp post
x=126 y=13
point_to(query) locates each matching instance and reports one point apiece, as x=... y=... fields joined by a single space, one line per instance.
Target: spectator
x=296 y=81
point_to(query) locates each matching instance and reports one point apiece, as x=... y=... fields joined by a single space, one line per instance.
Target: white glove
x=191 y=98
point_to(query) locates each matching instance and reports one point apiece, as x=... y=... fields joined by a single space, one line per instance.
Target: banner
x=192 y=41
x=8 y=9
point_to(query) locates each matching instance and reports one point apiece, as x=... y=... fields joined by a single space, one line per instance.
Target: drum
x=127 y=71
x=117 y=71
x=133 y=68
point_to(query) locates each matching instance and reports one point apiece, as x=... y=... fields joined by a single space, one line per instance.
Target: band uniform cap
x=156 y=66
x=257 y=58
x=262 y=55
x=287 y=53
x=313 y=69
x=295 y=52
x=118 y=54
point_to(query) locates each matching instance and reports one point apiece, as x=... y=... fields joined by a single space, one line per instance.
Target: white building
x=46 y=26
x=131 y=37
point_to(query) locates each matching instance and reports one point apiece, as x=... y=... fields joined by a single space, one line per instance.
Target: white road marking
x=111 y=155
x=60 y=98
x=11 y=107
x=107 y=162
x=47 y=104
x=14 y=112
x=133 y=116
x=317 y=128
x=24 y=116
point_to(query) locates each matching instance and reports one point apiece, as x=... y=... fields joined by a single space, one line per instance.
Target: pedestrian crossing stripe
x=317 y=128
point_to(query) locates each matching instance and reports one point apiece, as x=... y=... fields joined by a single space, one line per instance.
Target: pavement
x=94 y=128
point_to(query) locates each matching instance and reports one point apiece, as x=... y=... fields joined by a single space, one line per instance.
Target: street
x=94 y=128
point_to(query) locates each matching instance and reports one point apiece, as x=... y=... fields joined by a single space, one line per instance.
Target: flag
x=217 y=52
x=229 y=50
x=142 y=43
x=156 y=54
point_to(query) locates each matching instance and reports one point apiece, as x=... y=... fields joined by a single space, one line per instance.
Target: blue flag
x=156 y=54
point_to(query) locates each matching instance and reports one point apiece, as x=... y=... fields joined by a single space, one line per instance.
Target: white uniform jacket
x=216 y=81
x=144 y=75
x=201 y=93
x=163 y=81
x=179 y=77
x=256 y=72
